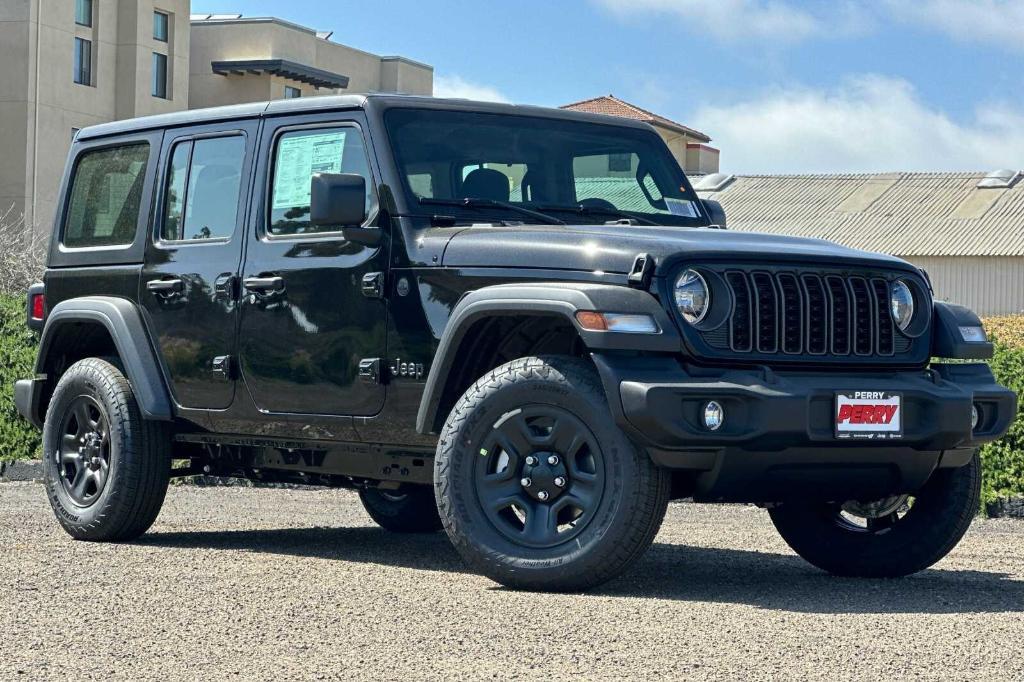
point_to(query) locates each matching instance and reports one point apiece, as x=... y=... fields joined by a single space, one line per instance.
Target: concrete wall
x=266 y=38
x=37 y=90
x=988 y=285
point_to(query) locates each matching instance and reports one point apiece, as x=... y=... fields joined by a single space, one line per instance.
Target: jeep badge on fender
x=594 y=347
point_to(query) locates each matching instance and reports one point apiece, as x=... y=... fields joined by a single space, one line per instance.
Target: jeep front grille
x=794 y=313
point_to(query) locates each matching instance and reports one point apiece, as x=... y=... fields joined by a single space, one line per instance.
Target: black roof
x=336 y=102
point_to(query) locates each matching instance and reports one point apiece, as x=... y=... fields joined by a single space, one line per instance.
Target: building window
x=159 y=75
x=83 y=12
x=160 y=23
x=292 y=93
x=83 y=61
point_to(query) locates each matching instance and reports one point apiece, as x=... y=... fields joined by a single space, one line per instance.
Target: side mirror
x=715 y=212
x=339 y=200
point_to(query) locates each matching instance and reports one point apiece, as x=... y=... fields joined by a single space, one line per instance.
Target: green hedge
x=18 y=439
x=1003 y=461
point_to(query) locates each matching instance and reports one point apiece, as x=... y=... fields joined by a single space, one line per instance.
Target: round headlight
x=901 y=302
x=692 y=296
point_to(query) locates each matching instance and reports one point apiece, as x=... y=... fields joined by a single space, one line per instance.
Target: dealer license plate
x=869 y=415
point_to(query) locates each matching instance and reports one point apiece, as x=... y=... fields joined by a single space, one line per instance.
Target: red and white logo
x=864 y=413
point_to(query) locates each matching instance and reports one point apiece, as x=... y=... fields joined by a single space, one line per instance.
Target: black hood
x=613 y=248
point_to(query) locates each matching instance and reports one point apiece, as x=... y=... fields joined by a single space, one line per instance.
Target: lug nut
x=560 y=481
x=542 y=495
x=526 y=483
x=531 y=461
x=553 y=460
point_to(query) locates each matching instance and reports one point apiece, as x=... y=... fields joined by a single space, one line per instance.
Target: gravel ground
x=276 y=584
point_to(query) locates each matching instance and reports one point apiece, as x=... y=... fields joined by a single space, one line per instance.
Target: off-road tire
x=139 y=457
x=635 y=492
x=941 y=513
x=411 y=510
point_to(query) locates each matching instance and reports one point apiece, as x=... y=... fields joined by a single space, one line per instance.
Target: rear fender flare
x=123 y=322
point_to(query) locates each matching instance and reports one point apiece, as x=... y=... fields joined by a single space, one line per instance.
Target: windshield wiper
x=596 y=210
x=472 y=202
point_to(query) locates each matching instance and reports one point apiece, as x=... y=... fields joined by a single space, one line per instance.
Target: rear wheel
x=537 y=486
x=886 y=538
x=409 y=510
x=106 y=469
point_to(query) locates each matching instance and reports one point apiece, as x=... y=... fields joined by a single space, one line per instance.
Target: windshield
x=472 y=163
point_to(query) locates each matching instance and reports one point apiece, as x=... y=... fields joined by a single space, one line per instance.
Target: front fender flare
x=123 y=322
x=544 y=298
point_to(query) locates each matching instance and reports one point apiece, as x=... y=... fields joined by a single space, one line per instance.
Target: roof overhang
x=284 y=68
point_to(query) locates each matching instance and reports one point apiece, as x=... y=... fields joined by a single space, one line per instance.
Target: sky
x=781 y=86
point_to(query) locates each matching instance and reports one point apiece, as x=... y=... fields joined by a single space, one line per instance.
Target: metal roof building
x=965 y=229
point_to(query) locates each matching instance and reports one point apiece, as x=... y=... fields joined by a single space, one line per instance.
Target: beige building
x=964 y=229
x=68 y=64
x=690 y=147
x=236 y=59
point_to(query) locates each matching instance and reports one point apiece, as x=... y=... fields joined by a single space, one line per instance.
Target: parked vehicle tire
x=885 y=538
x=105 y=468
x=409 y=510
x=537 y=487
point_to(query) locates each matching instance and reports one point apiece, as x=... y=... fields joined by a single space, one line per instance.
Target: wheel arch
x=99 y=326
x=544 y=314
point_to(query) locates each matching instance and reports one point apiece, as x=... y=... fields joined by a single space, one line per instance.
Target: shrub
x=22 y=253
x=18 y=438
x=1003 y=461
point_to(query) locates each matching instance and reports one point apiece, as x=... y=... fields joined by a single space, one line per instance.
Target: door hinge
x=370 y=371
x=223 y=367
x=373 y=285
x=227 y=287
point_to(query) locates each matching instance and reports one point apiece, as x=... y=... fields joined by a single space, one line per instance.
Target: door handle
x=264 y=284
x=166 y=286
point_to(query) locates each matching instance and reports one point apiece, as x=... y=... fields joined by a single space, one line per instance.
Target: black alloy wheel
x=537 y=486
x=83 y=458
x=540 y=475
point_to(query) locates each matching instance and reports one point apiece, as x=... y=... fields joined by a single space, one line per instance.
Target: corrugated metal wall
x=988 y=285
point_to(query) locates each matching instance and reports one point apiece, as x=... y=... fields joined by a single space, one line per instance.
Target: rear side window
x=105 y=197
x=203 y=185
x=298 y=155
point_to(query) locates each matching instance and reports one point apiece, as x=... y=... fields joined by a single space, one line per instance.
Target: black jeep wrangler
x=518 y=324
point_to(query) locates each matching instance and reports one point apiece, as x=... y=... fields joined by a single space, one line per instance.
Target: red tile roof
x=613 y=106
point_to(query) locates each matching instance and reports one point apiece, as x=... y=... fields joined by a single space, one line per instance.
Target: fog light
x=714 y=415
x=975 y=417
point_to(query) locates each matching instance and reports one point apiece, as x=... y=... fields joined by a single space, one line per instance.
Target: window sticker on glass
x=298 y=158
x=681 y=207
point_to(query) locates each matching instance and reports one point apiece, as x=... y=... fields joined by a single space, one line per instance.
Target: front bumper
x=778 y=438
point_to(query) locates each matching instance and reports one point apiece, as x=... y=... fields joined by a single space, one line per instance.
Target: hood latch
x=642 y=271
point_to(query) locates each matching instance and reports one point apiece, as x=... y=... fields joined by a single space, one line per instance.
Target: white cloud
x=870 y=123
x=997 y=22
x=456 y=86
x=774 y=21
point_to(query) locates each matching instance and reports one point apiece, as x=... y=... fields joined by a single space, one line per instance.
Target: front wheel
x=886 y=538
x=537 y=486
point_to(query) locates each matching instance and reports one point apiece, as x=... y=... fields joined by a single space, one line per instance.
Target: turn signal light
x=625 y=323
